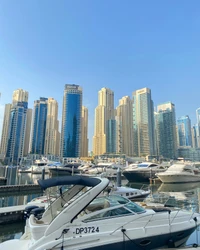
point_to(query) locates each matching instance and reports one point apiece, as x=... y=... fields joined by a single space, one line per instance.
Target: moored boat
x=142 y=172
x=180 y=173
x=81 y=219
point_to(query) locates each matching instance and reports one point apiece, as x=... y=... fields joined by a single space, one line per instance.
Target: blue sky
x=122 y=45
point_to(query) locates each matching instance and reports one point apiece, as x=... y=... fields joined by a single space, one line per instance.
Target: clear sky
x=122 y=45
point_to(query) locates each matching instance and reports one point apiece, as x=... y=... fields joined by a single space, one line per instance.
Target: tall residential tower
x=143 y=123
x=125 y=124
x=71 y=121
x=84 y=132
x=39 y=126
x=52 y=134
x=184 y=131
x=103 y=113
x=165 y=123
x=17 y=127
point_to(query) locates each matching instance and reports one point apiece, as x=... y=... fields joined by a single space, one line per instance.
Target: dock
x=14 y=213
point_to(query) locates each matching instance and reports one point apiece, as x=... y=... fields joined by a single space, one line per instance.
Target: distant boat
x=142 y=172
x=180 y=173
x=67 y=169
x=130 y=193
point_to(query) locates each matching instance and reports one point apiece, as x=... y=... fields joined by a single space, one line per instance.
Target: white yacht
x=180 y=173
x=80 y=219
x=106 y=169
x=130 y=193
x=142 y=172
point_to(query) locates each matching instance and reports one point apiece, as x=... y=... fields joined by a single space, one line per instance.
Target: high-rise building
x=5 y=130
x=184 y=131
x=19 y=95
x=15 y=119
x=111 y=136
x=84 y=132
x=194 y=136
x=52 y=135
x=125 y=124
x=28 y=132
x=39 y=126
x=165 y=124
x=143 y=123
x=16 y=134
x=103 y=112
x=71 y=121
x=198 y=127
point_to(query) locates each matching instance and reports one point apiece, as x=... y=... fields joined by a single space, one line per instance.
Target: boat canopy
x=69 y=180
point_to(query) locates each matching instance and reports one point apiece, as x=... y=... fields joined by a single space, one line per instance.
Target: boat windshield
x=115 y=206
x=147 y=165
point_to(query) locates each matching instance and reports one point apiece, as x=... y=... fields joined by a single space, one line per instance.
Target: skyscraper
x=5 y=130
x=198 y=127
x=143 y=123
x=52 y=134
x=17 y=127
x=19 y=95
x=194 y=136
x=71 y=121
x=165 y=123
x=125 y=118
x=103 y=112
x=28 y=132
x=84 y=132
x=111 y=136
x=39 y=126
x=184 y=131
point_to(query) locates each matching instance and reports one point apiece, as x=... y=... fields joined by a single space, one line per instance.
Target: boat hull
x=177 y=178
x=172 y=240
x=142 y=176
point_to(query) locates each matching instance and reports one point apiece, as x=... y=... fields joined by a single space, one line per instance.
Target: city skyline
x=134 y=128
x=90 y=132
x=45 y=45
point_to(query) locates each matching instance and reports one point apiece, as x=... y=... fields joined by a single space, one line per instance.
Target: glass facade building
x=39 y=126
x=198 y=127
x=71 y=121
x=165 y=126
x=184 y=131
x=111 y=136
x=143 y=123
x=16 y=133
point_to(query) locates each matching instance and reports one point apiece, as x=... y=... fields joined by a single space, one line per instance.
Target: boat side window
x=135 y=208
x=121 y=211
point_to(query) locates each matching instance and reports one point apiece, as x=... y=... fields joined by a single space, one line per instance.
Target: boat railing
x=157 y=210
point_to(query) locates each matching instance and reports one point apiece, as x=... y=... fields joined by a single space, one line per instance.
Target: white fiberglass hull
x=178 y=178
x=135 y=233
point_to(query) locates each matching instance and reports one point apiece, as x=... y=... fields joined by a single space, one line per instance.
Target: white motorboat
x=38 y=167
x=142 y=172
x=67 y=169
x=105 y=169
x=80 y=219
x=130 y=193
x=180 y=173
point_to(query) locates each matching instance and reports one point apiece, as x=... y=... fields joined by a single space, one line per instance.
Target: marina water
x=186 y=196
